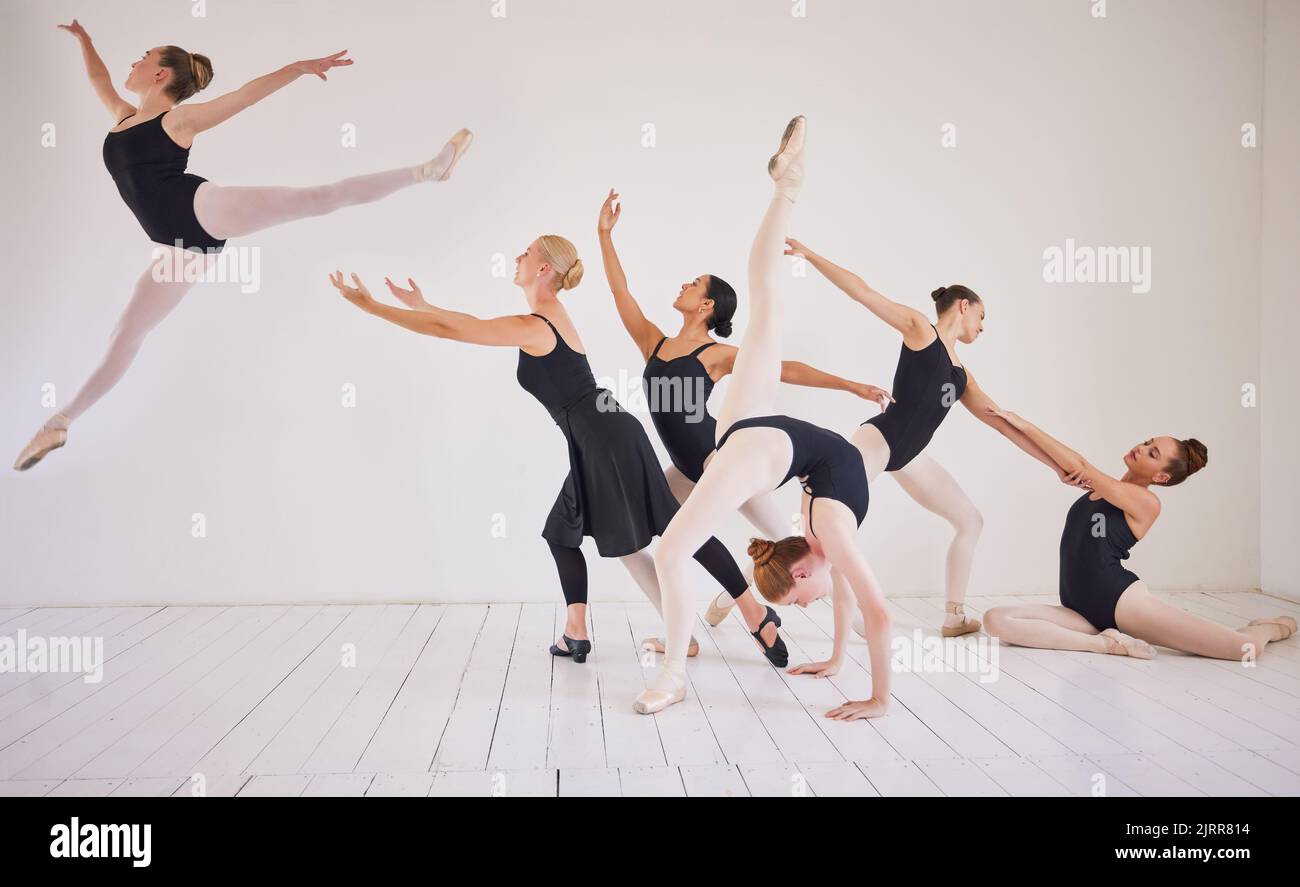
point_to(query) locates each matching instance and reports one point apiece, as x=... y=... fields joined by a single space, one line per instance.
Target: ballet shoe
x=433 y=171
x=786 y=165
x=1286 y=622
x=575 y=648
x=716 y=614
x=968 y=624
x=651 y=701
x=46 y=441
x=1120 y=644
x=658 y=645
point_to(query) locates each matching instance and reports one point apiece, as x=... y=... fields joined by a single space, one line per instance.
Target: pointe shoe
x=784 y=167
x=659 y=646
x=966 y=626
x=1121 y=644
x=716 y=614
x=46 y=441
x=577 y=649
x=459 y=144
x=652 y=701
x=1287 y=623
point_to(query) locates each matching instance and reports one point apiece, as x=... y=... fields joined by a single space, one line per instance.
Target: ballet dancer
x=146 y=153
x=1106 y=608
x=759 y=452
x=677 y=390
x=615 y=490
x=928 y=380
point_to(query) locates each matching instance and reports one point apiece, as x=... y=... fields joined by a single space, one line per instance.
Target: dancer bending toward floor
x=615 y=490
x=758 y=452
x=1105 y=608
x=146 y=153
x=677 y=390
x=928 y=380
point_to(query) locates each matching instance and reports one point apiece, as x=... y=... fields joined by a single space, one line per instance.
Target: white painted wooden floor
x=464 y=700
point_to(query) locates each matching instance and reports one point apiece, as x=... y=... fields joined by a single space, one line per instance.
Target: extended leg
x=934 y=489
x=756 y=375
x=151 y=302
x=1143 y=615
x=233 y=211
x=751 y=460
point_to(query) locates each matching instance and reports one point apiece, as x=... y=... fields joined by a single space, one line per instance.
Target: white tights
x=224 y=212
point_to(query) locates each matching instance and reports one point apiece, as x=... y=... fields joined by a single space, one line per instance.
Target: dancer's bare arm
x=837 y=532
x=199 y=116
x=514 y=330
x=911 y=323
x=98 y=74
x=982 y=407
x=644 y=333
x=1136 y=501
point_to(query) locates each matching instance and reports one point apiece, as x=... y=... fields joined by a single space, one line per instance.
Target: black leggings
x=712 y=556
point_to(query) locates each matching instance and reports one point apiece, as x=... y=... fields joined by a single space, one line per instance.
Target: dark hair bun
x=938 y=294
x=1197 y=455
x=760 y=551
x=723 y=328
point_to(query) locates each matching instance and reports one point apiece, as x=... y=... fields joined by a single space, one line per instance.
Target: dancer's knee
x=676 y=546
x=996 y=621
x=968 y=522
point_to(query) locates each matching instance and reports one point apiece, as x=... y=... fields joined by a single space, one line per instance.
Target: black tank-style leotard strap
x=696 y=352
x=655 y=353
x=558 y=338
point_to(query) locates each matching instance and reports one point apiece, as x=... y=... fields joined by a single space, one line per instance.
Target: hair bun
x=723 y=328
x=573 y=276
x=1197 y=455
x=760 y=551
x=938 y=294
x=201 y=68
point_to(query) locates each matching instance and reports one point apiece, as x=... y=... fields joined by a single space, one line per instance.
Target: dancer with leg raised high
x=615 y=491
x=758 y=452
x=680 y=373
x=146 y=153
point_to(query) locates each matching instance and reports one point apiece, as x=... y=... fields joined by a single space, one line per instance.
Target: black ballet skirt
x=615 y=490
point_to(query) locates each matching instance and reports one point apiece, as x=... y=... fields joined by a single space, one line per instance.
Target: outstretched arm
x=119 y=107
x=908 y=321
x=199 y=116
x=644 y=333
x=515 y=330
x=1138 y=502
x=794 y=372
x=983 y=408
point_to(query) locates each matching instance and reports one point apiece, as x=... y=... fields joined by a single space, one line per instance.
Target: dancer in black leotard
x=759 y=451
x=614 y=491
x=148 y=168
x=830 y=466
x=146 y=154
x=926 y=385
x=677 y=390
x=1096 y=538
x=928 y=381
x=1106 y=608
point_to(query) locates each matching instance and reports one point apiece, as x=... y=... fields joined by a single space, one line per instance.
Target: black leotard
x=1092 y=578
x=829 y=465
x=926 y=384
x=615 y=490
x=149 y=170
x=677 y=392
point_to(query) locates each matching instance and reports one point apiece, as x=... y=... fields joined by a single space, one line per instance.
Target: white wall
x=1117 y=131
x=1279 y=406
